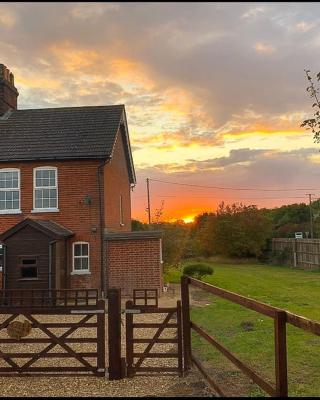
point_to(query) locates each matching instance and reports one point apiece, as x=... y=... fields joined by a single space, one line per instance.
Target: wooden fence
x=303 y=253
x=281 y=319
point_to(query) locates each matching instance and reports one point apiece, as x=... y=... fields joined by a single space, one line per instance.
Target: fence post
x=180 y=349
x=114 y=333
x=186 y=322
x=295 y=253
x=280 y=337
x=101 y=345
x=129 y=339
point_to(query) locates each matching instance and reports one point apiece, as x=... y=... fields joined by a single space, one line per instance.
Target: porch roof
x=49 y=228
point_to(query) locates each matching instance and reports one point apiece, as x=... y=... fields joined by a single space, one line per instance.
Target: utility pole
x=311 y=217
x=149 y=208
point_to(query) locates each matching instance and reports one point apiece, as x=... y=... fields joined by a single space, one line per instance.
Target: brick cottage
x=66 y=176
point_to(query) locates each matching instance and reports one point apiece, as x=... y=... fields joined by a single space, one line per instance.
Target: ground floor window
x=80 y=257
x=29 y=268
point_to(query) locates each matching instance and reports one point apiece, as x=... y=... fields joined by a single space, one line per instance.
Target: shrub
x=198 y=270
x=282 y=257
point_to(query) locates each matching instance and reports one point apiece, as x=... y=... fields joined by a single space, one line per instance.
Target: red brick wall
x=76 y=179
x=134 y=264
x=116 y=182
x=8 y=97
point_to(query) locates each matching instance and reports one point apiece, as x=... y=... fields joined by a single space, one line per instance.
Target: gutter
x=103 y=267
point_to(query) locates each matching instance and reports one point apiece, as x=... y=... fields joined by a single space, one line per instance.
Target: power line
x=228 y=188
x=239 y=198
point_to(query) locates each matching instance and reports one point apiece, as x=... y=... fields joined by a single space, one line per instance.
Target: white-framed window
x=121 y=210
x=9 y=191
x=80 y=257
x=45 y=189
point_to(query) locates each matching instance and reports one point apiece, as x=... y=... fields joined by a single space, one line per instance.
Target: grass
x=249 y=335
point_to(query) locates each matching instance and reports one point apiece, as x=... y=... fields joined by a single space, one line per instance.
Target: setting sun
x=188 y=219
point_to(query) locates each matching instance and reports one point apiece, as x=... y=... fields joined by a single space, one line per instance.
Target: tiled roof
x=55 y=228
x=61 y=133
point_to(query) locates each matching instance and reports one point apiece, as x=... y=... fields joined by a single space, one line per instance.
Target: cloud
x=304 y=26
x=85 y=11
x=206 y=85
x=253 y=12
x=264 y=48
x=266 y=170
x=7 y=17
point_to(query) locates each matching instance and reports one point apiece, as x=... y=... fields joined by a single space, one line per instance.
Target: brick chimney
x=8 y=92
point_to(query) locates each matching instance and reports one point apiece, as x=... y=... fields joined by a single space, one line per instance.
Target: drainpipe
x=4 y=269
x=50 y=266
x=101 y=215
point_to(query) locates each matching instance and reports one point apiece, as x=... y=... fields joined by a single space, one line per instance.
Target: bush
x=198 y=270
x=282 y=257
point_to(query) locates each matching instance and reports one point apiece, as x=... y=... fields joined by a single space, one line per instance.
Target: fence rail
x=281 y=319
x=303 y=253
x=48 y=298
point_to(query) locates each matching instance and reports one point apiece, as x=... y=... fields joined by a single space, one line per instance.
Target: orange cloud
x=73 y=59
x=264 y=48
x=7 y=18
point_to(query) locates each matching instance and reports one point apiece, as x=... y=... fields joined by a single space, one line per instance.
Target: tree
x=313 y=123
x=239 y=230
x=288 y=219
x=174 y=241
x=201 y=235
x=138 y=226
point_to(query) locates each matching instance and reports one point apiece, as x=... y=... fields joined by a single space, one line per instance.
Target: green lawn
x=249 y=335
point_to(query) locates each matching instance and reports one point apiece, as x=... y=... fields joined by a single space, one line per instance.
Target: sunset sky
x=214 y=92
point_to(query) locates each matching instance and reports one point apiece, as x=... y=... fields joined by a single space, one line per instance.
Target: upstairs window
x=45 y=189
x=80 y=257
x=9 y=191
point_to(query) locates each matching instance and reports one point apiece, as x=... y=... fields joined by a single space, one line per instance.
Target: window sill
x=44 y=210
x=29 y=279
x=80 y=273
x=4 y=212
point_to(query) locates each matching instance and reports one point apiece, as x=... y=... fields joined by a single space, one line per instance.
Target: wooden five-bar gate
x=171 y=320
x=44 y=333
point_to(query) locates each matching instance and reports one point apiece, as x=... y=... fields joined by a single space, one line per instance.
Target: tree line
x=235 y=230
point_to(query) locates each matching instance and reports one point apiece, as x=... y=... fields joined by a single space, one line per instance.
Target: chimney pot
x=8 y=92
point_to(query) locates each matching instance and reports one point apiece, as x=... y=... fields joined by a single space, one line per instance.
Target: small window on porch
x=29 y=269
